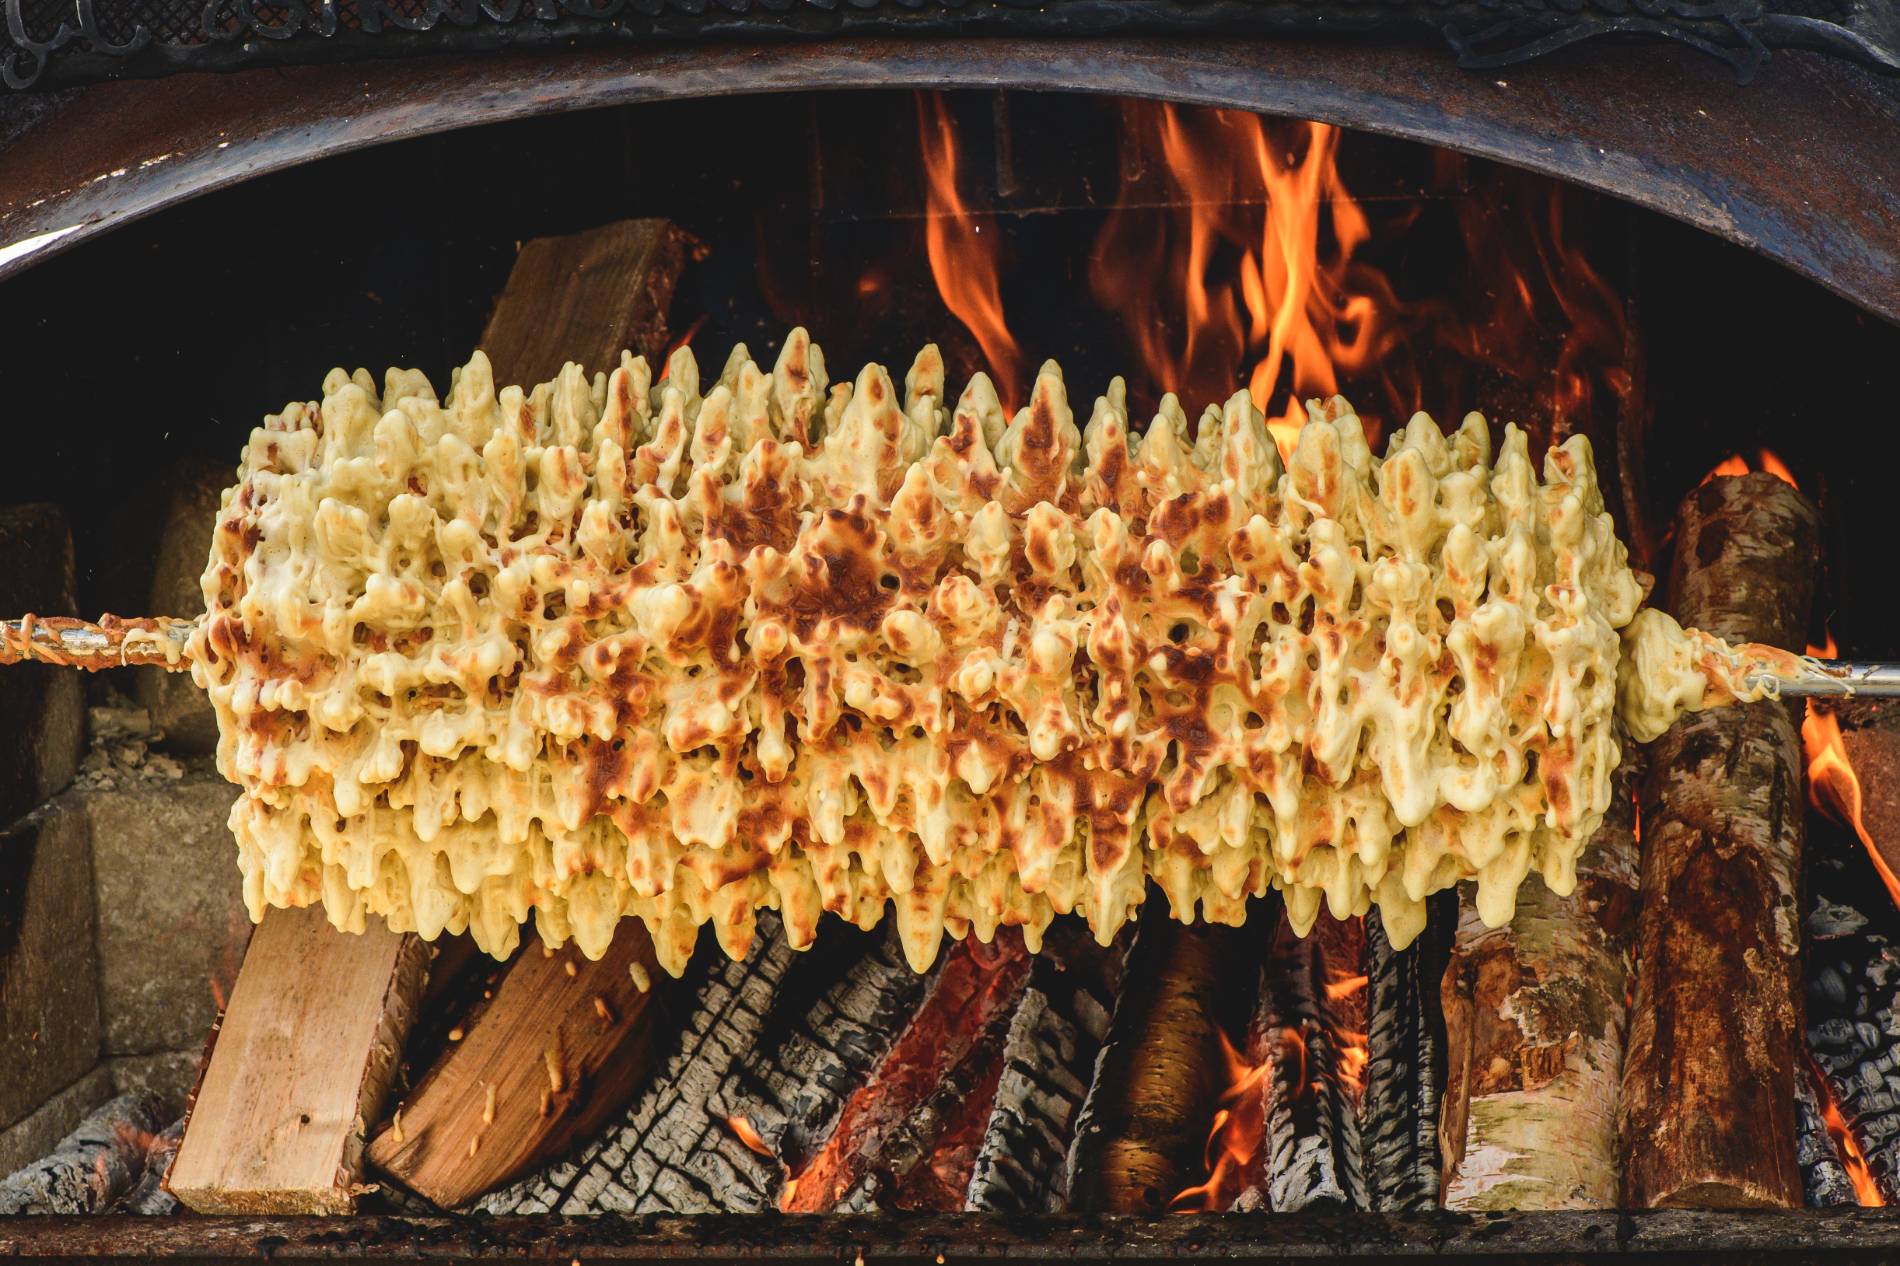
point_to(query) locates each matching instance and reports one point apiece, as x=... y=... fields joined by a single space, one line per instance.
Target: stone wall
x=121 y=916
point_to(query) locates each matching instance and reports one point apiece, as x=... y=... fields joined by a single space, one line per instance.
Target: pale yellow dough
x=617 y=647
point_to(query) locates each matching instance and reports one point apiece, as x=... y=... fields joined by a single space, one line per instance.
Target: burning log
x=303 y=1060
x=1143 y=1128
x=1535 y=1014
x=1049 y=1058
x=768 y=1053
x=1708 y=1087
x=1825 y=1182
x=150 y=1197
x=1405 y=1066
x=913 y=1143
x=892 y=1120
x=1853 y=1009
x=562 y=1046
x=92 y=1167
x=1304 y=1032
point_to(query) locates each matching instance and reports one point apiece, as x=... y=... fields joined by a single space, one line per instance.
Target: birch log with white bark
x=1535 y=1017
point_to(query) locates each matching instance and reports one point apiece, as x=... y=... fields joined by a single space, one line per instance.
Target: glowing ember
x=742 y=1129
x=963 y=260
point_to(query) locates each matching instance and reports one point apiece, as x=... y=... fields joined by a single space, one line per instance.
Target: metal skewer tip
x=111 y=643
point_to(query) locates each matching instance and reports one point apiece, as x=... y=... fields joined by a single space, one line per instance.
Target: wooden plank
x=305 y=1056
x=563 y=1046
x=1707 y=1115
x=584 y=297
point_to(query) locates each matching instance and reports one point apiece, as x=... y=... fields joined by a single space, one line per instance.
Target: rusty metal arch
x=1802 y=165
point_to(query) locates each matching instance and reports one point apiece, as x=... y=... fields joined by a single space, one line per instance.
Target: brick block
x=49 y=989
x=42 y=707
x=172 y=925
x=192 y=492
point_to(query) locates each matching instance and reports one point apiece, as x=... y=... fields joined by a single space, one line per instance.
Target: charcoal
x=1824 y=1179
x=1312 y=1150
x=1853 y=1002
x=95 y=1165
x=1405 y=1064
x=1049 y=1060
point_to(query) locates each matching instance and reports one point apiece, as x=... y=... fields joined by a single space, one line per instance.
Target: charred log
x=891 y=1122
x=1302 y=1030
x=1049 y=1057
x=1405 y=1066
x=95 y=1165
x=1535 y=1015
x=1825 y=1183
x=768 y=1054
x=149 y=1196
x=1143 y=1129
x=1853 y=1005
x=1708 y=1089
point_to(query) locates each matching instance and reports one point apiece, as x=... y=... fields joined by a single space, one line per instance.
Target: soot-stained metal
x=60 y=42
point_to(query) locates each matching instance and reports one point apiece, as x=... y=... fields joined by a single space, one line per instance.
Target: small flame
x=1344 y=987
x=963 y=260
x=1833 y=786
x=1764 y=460
x=743 y=1130
x=1853 y=1160
x=684 y=340
x=1236 y=1133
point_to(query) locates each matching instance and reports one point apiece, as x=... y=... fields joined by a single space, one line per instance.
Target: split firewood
x=1708 y=1086
x=609 y=283
x=1143 y=1129
x=1535 y=1017
x=767 y=1055
x=562 y=1047
x=1405 y=1066
x=303 y=1061
x=586 y=296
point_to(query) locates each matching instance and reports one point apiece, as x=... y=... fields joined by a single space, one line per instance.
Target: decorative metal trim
x=228 y=34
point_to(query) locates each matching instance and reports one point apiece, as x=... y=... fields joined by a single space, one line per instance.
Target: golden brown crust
x=619 y=648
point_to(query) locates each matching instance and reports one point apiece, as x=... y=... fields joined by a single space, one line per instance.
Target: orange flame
x=741 y=1127
x=1765 y=460
x=1853 y=1160
x=1263 y=259
x=1344 y=987
x=1238 y=1128
x=962 y=260
x=1834 y=787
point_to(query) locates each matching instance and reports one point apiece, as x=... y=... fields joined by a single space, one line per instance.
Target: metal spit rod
x=117 y=643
